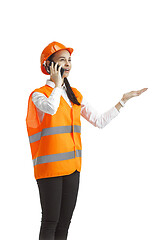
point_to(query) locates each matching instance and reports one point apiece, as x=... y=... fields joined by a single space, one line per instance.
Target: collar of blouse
x=52 y=84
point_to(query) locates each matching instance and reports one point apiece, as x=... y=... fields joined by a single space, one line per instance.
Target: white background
x=116 y=50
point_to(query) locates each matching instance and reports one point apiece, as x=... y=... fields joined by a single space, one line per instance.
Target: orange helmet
x=49 y=50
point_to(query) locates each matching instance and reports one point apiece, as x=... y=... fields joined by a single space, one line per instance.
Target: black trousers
x=58 y=197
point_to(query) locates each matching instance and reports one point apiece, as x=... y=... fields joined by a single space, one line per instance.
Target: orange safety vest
x=56 y=141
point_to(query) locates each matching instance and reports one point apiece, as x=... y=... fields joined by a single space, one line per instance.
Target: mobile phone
x=61 y=71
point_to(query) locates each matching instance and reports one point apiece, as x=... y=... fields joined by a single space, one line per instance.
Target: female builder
x=54 y=130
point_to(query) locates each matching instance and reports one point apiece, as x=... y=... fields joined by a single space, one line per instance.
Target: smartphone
x=61 y=71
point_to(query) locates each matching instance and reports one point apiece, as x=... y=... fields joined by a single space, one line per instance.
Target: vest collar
x=52 y=84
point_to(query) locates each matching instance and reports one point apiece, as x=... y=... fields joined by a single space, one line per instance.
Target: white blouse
x=50 y=105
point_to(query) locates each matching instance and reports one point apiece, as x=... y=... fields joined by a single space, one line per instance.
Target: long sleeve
x=94 y=117
x=47 y=105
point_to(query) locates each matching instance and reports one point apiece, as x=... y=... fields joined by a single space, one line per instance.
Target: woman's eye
x=63 y=60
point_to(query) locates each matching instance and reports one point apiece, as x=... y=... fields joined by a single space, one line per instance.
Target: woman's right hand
x=55 y=75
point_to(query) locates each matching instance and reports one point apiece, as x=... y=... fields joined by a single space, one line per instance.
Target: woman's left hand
x=127 y=96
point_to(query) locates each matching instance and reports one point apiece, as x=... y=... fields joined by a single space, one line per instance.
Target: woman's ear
x=47 y=62
x=46 y=65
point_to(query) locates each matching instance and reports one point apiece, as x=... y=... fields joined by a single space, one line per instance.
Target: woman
x=54 y=130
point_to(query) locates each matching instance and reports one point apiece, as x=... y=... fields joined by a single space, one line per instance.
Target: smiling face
x=63 y=58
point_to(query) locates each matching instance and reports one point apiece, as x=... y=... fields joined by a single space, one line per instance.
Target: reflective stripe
x=56 y=157
x=77 y=128
x=54 y=130
x=79 y=153
x=35 y=137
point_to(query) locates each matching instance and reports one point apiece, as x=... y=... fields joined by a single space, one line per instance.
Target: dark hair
x=69 y=91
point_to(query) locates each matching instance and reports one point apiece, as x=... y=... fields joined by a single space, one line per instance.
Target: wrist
x=124 y=100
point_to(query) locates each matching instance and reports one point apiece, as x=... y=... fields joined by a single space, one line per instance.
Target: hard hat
x=49 y=50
